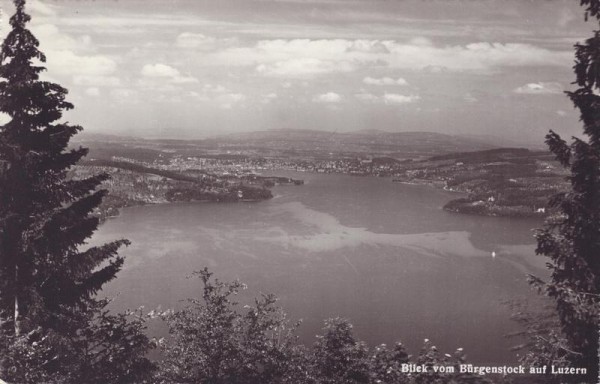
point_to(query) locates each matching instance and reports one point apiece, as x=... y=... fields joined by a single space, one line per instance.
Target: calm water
x=382 y=254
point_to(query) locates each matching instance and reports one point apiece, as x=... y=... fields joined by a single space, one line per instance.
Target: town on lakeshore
x=514 y=182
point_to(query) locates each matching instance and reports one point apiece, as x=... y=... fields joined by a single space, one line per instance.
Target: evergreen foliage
x=571 y=239
x=52 y=328
x=543 y=343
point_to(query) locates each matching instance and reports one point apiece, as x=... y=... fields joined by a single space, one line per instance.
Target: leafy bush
x=214 y=341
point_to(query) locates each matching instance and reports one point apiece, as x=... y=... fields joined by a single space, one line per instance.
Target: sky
x=198 y=68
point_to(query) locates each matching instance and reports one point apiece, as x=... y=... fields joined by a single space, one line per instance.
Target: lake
x=382 y=254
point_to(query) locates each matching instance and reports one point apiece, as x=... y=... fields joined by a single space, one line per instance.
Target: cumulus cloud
x=551 y=88
x=202 y=42
x=470 y=98
x=97 y=80
x=303 y=67
x=231 y=97
x=214 y=88
x=289 y=57
x=159 y=70
x=387 y=98
x=367 y=97
x=163 y=71
x=393 y=98
x=194 y=40
x=66 y=62
x=92 y=91
x=125 y=95
x=184 y=79
x=228 y=100
x=384 y=81
x=269 y=97
x=219 y=94
x=299 y=57
x=329 y=97
x=51 y=39
x=70 y=56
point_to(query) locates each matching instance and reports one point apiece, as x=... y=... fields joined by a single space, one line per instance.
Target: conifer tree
x=571 y=239
x=48 y=280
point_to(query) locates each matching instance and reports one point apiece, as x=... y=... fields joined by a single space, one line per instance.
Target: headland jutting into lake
x=511 y=182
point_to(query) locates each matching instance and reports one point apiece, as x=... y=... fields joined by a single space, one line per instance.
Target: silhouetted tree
x=571 y=239
x=51 y=322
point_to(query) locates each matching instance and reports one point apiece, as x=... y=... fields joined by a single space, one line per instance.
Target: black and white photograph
x=299 y=191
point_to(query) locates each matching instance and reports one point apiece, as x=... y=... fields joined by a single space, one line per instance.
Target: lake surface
x=382 y=254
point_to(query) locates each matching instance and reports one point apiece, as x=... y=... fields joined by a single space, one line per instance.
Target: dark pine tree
x=48 y=280
x=571 y=239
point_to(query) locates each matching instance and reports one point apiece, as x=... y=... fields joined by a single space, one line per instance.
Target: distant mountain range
x=298 y=143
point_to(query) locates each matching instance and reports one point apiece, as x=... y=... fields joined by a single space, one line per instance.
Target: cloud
x=228 y=100
x=70 y=56
x=384 y=81
x=309 y=57
x=184 y=79
x=163 y=71
x=125 y=95
x=303 y=67
x=92 y=91
x=51 y=39
x=387 y=98
x=202 y=42
x=551 y=88
x=159 y=70
x=218 y=88
x=393 y=98
x=66 y=62
x=219 y=94
x=470 y=98
x=481 y=56
x=231 y=97
x=299 y=57
x=97 y=80
x=194 y=40
x=329 y=97
x=565 y=17
x=269 y=97
x=367 y=97
x=420 y=40
x=39 y=8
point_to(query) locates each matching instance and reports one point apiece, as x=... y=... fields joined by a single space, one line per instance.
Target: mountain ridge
x=308 y=142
